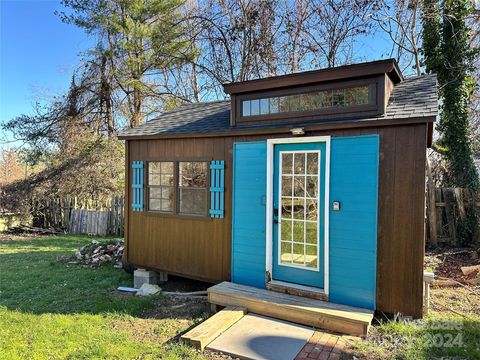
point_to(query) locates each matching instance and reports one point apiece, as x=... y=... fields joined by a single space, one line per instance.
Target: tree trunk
x=431 y=208
x=106 y=97
x=137 y=108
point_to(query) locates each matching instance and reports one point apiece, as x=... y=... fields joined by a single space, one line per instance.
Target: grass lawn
x=53 y=310
x=451 y=330
x=438 y=336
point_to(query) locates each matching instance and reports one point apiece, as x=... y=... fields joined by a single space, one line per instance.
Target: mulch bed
x=447 y=262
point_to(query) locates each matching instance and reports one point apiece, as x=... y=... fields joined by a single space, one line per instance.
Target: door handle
x=275 y=216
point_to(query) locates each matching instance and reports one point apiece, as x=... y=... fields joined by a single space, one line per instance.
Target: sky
x=38 y=53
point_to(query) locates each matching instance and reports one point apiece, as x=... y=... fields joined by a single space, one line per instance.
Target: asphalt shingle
x=414 y=97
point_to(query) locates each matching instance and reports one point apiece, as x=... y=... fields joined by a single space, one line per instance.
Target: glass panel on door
x=298 y=203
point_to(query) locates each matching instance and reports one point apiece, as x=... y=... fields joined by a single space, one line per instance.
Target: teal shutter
x=137 y=186
x=217 y=188
x=353 y=229
x=248 y=213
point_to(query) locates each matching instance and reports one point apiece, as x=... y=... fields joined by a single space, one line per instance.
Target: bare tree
x=293 y=42
x=400 y=20
x=235 y=40
x=332 y=28
x=10 y=167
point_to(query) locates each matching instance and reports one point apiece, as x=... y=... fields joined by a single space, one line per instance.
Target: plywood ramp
x=210 y=329
x=320 y=314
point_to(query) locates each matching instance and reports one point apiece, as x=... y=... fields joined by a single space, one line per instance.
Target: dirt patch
x=457 y=300
x=172 y=316
x=452 y=291
x=446 y=263
x=179 y=284
x=7 y=237
x=179 y=307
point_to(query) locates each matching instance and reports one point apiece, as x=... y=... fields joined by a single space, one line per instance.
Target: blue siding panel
x=353 y=229
x=249 y=211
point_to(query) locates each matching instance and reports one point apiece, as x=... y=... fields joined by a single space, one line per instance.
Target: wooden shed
x=313 y=181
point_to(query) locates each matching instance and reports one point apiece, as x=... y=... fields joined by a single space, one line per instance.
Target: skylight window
x=311 y=101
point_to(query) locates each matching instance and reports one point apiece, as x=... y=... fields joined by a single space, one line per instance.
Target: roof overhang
x=388 y=66
x=286 y=128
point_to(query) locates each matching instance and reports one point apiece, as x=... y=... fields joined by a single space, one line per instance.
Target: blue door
x=299 y=213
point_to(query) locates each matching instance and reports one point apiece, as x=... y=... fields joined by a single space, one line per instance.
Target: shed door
x=299 y=213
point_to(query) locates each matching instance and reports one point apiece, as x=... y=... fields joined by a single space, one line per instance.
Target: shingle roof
x=414 y=97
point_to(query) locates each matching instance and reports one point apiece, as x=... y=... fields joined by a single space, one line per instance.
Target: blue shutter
x=353 y=229
x=217 y=188
x=137 y=185
x=248 y=213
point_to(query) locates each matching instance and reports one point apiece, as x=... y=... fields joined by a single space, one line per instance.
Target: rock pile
x=97 y=253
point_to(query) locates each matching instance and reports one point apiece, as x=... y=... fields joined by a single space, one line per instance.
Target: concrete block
x=162 y=277
x=142 y=276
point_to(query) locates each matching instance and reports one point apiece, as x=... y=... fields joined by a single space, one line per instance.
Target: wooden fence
x=81 y=216
x=446 y=209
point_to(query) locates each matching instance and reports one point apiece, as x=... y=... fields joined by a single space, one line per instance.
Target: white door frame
x=269 y=220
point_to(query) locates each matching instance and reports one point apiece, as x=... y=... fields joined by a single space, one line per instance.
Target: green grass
x=52 y=310
x=438 y=336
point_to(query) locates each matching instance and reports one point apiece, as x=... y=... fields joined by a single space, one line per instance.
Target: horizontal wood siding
x=249 y=210
x=353 y=229
x=202 y=248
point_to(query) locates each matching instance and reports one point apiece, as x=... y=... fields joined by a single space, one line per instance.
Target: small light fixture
x=298 y=131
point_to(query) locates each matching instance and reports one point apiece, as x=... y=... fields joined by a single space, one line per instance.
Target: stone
x=142 y=276
x=148 y=290
x=467 y=270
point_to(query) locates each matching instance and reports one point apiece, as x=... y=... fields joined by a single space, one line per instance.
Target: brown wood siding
x=201 y=248
x=401 y=225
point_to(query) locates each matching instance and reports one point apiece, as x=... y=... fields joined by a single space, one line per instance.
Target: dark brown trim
x=233 y=115
x=284 y=128
x=374 y=106
x=388 y=66
x=430 y=126
x=126 y=205
x=177 y=216
x=174 y=159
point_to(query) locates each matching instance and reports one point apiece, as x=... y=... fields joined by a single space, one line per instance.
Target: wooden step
x=320 y=314
x=297 y=290
x=210 y=329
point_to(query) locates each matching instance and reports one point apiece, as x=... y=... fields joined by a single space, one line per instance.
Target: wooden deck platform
x=320 y=314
